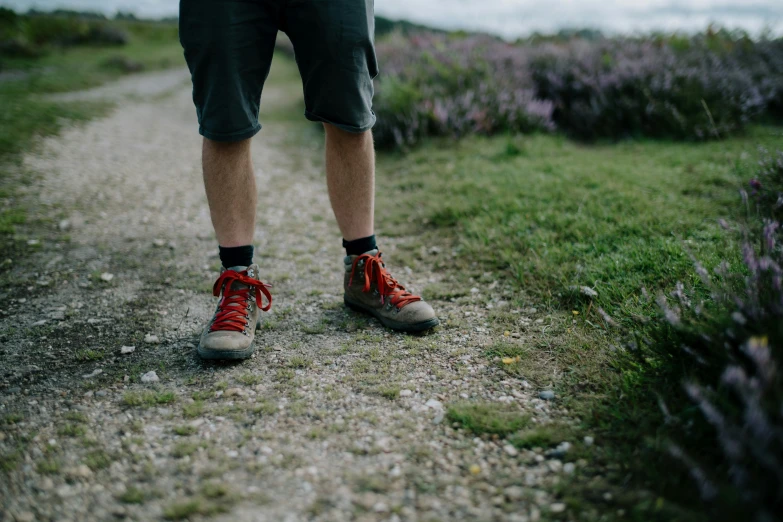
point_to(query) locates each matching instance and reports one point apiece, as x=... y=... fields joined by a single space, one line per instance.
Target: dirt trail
x=333 y=418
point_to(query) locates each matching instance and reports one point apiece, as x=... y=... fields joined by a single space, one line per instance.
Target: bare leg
x=231 y=191
x=350 y=177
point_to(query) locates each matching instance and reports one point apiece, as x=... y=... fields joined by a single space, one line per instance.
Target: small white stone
x=151 y=339
x=33 y=242
x=106 y=276
x=94 y=373
x=569 y=468
x=127 y=349
x=510 y=450
x=557 y=507
x=588 y=440
x=150 y=377
x=39 y=323
x=405 y=393
x=434 y=404
x=65 y=224
x=232 y=454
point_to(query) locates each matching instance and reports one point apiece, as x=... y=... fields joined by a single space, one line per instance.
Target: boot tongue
x=348 y=260
x=236 y=285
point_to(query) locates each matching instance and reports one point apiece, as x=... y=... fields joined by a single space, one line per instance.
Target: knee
x=336 y=133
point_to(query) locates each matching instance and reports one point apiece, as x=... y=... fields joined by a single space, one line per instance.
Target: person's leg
x=231 y=191
x=350 y=177
x=228 y=47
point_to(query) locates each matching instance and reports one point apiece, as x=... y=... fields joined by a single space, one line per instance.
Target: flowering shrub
x=737 y=351
x=432 y=84
x=620 y=88
x=684 y=88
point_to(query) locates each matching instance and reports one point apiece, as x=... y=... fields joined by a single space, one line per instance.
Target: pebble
x=40 y=323
x=127 y=349
x=547 y=395
x=106 y=276
x=150 y=377
x=101 y=393
x=514 y=492
x=239 y=392
x=588 y=440
x=64 y=225
x=557 y=507
x=405 y=393
x=25 y=516
x=151 y=339
x=569 y=468
x=33 y=242
x=510 y=450
x=80 y=471
x=94 y=373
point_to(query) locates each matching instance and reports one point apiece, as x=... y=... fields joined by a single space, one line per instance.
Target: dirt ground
x=334 y=418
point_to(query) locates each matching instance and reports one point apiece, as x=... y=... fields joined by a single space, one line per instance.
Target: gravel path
x=333 y=418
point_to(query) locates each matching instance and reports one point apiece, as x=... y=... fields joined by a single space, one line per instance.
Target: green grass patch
x=194 y=409
x=299 y=362
x=71 y=430
x=487 y=418
x=97 y=460
x=196 y=506
x=89 y=355
x=148 y=398
x=541 y=436
x=185 y=430
x=132 y=495
x=48 y=466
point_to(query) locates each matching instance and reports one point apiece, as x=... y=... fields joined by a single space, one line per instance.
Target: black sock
x=359 y=246
x=236 y=256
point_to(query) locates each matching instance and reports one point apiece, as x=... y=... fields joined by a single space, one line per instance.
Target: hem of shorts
x=347 y=128
x=231 y=136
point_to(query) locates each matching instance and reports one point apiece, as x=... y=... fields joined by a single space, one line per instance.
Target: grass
x=132 y=495
x=28 y=115
x=540 y=437
x=549 y=216
x=97 y=460
x=148 y=398
x=487 y=418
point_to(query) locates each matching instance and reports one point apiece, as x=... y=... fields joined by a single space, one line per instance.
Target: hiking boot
x=369 y=288
x=230 y=333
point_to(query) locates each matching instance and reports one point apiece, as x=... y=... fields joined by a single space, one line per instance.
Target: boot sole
x=391 y=323
x=225 y=355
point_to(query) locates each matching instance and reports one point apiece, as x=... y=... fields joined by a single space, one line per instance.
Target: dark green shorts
x=229 y=45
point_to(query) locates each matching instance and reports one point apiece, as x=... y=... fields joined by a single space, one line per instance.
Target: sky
x=512 y=18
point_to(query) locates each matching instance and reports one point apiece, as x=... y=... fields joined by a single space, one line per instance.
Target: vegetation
x=42 y=54
x=701 y=87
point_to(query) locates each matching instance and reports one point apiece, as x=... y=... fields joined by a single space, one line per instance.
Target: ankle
x=236 y=256
x=360 y=246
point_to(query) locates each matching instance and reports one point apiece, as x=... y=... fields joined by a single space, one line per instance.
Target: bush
x=433 y=84
x=702 y=87
x=29 y=35
x=621 y=88
x=735 y=353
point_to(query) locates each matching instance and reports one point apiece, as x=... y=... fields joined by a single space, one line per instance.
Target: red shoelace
x=233 y=310
x=374 y=270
